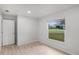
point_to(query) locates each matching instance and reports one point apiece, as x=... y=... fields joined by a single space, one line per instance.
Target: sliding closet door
x=8 y=32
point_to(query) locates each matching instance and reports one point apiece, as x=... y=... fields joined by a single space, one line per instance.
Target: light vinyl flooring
x=35 y=48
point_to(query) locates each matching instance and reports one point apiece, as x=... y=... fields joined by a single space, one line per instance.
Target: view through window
x=56 y=29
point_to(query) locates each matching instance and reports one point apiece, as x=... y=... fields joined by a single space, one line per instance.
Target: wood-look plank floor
x=35 y=48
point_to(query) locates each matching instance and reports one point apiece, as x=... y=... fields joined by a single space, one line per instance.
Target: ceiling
x=37 y=10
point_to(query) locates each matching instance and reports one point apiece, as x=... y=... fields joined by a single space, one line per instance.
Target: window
x=56 y=29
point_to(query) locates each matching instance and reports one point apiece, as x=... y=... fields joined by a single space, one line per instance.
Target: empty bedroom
x=39 y=29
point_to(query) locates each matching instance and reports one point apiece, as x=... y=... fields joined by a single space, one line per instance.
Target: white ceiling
x=37 y=10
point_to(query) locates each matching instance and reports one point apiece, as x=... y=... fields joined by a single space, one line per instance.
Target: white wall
x=71 y=43
x=27 y=30
x=0 y=29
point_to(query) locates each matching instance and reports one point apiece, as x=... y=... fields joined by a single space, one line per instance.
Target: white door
x=8 y=32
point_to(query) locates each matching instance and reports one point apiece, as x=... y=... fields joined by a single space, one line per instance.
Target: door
x=8 y=32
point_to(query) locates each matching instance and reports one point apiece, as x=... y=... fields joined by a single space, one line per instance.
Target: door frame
x=15 y=30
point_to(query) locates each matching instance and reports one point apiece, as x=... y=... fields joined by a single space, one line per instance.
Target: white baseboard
x=26 y=42
x=66 y=51
x=47 y=43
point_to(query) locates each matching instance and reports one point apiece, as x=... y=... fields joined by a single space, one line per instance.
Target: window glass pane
x=56 y=29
